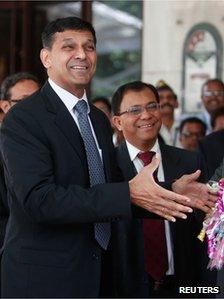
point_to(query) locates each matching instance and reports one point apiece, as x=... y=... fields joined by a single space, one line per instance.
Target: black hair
x=123 y=89
x=62 y=24
x=218 y=112
x=215 y=80
x=166 y=87
x=12 y=80
x=103 y=100
x=192 y=120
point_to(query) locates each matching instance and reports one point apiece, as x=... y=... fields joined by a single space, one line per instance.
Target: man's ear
x=180 y=138
x=45 y=57
x=5 y=106
x=117 y=122
x=176 y=104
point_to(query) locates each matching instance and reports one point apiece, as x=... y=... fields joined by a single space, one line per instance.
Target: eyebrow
x=67 y=39
x=71 y=39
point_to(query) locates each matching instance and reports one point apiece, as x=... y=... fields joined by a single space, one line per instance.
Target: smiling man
x=61 y=176
x=212 y=96
x=168 y=104
x=165 y=254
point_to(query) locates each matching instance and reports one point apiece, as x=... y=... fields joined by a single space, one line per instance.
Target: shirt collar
x=134 y=151
x=67 y=98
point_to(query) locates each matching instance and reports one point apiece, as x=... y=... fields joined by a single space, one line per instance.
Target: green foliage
x=115 y=62
x=132 y=7
x=115 y=68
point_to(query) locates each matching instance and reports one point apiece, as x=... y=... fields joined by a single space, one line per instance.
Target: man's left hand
x=201 y=197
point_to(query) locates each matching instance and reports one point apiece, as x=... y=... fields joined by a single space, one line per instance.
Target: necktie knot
x=81 y=107
x=146 y=157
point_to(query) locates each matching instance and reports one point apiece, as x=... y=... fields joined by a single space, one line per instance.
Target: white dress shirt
x=133 y=152
x=70 y=101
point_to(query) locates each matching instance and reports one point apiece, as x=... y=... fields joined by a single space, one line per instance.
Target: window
x=118 y=26
x=202 y=60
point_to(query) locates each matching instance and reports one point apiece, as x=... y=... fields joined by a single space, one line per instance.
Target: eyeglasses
x=137 y=110
x=216 y=93
x=191 y=134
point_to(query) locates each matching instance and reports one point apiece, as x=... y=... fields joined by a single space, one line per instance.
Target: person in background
x=212 y=96
x=217 y=119
x=168 y=104
x=152 y=258
x=16 y=87
x=192 y=130
x=211 y=149
x=104 y=105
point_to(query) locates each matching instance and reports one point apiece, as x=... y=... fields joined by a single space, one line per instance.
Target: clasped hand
x=187 y=194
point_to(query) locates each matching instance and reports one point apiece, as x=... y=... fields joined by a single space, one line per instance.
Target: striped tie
x=102 y=231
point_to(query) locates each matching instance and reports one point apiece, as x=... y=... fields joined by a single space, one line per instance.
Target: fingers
x=169 y=214
x=203 y=208
x=191 y=177
x=153 y=165
x=210 y=203
x=195 y=175
x=172 y=196
x=170 y=209
x=165 y=216
x=212 y=197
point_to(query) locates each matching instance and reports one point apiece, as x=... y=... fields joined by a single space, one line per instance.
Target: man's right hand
x=148 y=195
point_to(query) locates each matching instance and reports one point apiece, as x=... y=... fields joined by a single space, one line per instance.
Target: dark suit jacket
x=4 y=211
x=211 y=148
x=219 y=172
x=50 y=249
x=127 y=234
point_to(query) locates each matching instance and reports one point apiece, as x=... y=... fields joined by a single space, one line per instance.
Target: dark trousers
x=107 y=288
x=166 y=288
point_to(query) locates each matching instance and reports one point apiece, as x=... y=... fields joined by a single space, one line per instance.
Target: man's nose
x=146 y=113
x=80 y=53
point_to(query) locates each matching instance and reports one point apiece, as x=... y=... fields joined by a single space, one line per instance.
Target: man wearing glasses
x=151 y=256
x=212 y=95
x=192 y=129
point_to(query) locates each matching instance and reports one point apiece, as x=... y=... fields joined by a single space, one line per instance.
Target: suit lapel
x=125 y=163
x=170 y=162
x=64 y=121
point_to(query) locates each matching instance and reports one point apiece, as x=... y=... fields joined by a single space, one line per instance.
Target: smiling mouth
x=146 y=126
x=79 y=68
x=166 y=105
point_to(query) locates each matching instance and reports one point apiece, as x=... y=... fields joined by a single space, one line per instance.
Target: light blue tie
x=96 y=172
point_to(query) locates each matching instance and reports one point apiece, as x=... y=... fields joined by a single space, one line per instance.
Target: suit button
x=95 y=257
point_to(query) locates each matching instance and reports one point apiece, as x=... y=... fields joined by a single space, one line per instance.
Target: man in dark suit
x=60 y=207
x=211 y=148
x=137 y=115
